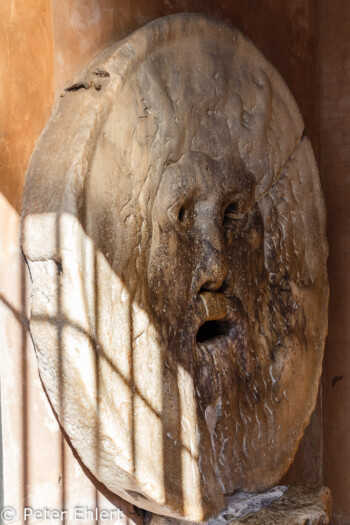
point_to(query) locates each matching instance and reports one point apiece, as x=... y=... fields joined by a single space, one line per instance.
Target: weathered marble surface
x=174 y=229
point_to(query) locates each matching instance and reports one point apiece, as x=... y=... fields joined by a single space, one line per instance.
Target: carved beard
x=209 y=331
x=229 y=358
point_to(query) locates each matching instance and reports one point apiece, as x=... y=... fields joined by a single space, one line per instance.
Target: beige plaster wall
x=46 y=44
x=26 y=89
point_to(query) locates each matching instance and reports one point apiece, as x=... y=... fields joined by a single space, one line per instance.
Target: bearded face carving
x=178 y=266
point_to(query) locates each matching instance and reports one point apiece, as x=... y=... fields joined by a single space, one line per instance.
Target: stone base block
x=293 y=505
x=299 y=505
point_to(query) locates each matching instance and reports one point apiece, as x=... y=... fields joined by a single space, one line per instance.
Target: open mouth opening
x=211 y=329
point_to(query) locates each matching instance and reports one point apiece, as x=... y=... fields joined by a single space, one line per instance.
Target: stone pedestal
x=299 y=505
x=294 y=505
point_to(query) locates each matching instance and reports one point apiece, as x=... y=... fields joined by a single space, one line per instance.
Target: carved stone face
x=204 y=228
x=179 y=292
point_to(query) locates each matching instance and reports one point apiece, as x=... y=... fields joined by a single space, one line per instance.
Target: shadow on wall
x=133 y=514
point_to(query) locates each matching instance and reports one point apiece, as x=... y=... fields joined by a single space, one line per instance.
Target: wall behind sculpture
x=27 y=94
x=335 y=170
x=46 y=44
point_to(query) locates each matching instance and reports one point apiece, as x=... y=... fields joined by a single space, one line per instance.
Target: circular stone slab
x=174 y=229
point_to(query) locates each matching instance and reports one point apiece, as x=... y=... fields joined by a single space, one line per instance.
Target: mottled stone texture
x=299 y=505
x=179 y=290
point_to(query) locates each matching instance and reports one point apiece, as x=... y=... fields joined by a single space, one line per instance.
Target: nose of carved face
x=213 y=266
x=212 y=272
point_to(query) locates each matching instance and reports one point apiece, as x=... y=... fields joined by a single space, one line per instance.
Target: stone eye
x=185 y=214
x=231 y=212
x=182 y=214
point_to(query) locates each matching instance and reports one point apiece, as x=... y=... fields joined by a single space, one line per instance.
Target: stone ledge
x=297 y=505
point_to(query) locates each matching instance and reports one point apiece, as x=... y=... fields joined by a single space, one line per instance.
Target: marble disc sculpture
x=174 y=229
